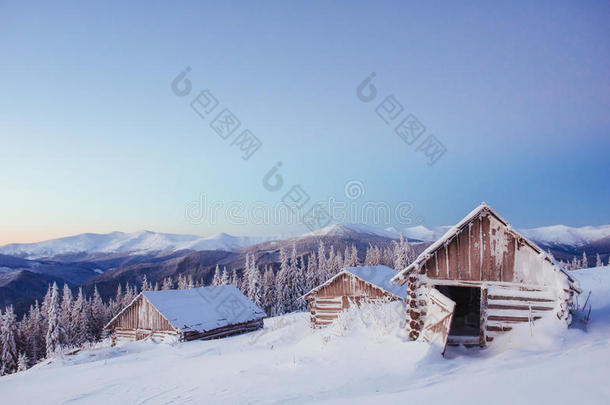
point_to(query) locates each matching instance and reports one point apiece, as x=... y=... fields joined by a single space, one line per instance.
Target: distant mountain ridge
x=146 y=242
x=141 y=242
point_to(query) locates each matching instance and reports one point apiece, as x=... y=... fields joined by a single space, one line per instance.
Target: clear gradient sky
x=94 y=140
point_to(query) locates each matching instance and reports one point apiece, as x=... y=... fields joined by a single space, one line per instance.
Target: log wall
x=326 y=303
x=142 y=315
x=517 y=284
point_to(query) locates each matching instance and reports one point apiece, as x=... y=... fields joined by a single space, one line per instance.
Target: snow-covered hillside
x=136 y=243
x=364 y=359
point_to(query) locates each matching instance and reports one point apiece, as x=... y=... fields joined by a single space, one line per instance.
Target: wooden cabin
x=352 y=285
x=479 y=280
x=196 y=313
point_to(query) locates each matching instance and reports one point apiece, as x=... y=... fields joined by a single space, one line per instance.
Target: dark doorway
x=467 y=317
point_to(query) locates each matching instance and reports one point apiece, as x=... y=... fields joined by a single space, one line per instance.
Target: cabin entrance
x=466 y=323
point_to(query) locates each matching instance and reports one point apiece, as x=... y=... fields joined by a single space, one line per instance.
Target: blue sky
x=94 y=140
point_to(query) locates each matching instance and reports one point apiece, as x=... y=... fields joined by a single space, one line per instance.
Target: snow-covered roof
x=378 y=276
x=203 y=309
x=454 y=230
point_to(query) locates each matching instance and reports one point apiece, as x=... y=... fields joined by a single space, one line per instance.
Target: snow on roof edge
x=451 y=232
x=346 y=270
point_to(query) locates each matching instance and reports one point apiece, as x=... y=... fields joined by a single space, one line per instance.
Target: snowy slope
x=120 y=242
x=370 y=361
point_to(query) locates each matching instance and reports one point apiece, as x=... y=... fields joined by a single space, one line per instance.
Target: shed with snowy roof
x=479 y=280
x=196 y=313
x=353 y=285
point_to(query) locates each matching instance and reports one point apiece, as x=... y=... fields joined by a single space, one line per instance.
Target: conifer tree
x=355 y=260
x=66 y=316
x=22 y=362
x=322 y=261
x=8 y=346
x=97 y=316
x=268 y=291
x=585 y=262
x=80 y=319
x=54 y=326
x=311 y=275
x=168 y=284
x=224 y=280
x=216 y=280
x=255 y=287
x=598 y=261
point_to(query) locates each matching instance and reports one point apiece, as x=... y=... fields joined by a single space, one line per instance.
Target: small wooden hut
x=352 y=285
x=479 y=280
x=196 y=313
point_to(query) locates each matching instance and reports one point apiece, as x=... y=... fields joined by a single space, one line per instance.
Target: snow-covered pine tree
x=216 y=280
x=168 y=284
x=54 y=326
x=331 y=264
x=338 y=263
x=80 y=319
x=66 y=316
x=322 y=260
x=235 y=279
x=190 y=283
x=98 y=316
x=585 y=262
x=347 y=257
x=255 y=286
x=401 y=254
x=368 y=258
x=35 y=334
x=281 y=284
x=22 y=362
x=355 y=259
x=145 y=284
x=8 y=346
x=182 y=282
x=290 y=284
x=268 y=291
x=301 y=287
x=224 y=280
x=598 y=261
x=311 y=275
x=246 y=275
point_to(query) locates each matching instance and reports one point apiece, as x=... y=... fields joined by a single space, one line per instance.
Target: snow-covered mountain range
x=141 y=242
x=144 y=242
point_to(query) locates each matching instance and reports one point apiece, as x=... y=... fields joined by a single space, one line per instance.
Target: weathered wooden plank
x=486 y=255
x=495 y=252
x=519 y=307
x=516 y=298
x=463 y=254
x=508 y=259
x=431 y=267
x=453 y=262
x=511 y=318
x=475 y=249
